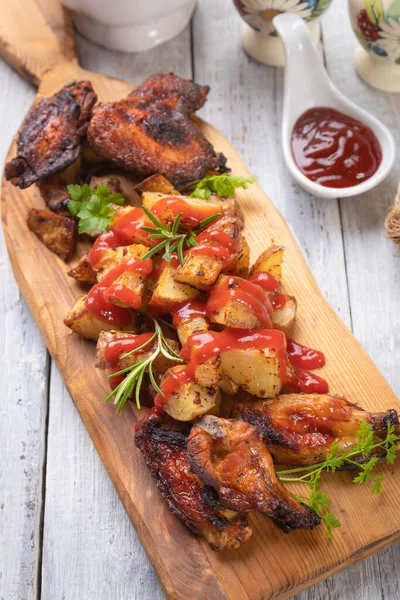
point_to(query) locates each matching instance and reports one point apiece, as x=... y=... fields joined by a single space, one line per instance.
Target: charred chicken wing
x=229 y=456
x=151 y=131
x=299 y=429
x=163 y=445
x=51 y=134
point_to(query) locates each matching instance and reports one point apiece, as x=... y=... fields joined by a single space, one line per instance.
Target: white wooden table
x=63 y=532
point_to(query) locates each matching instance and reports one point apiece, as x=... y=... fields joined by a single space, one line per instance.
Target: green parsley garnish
x=172 y=237
x=132 y=382
x=222 y=185
x=359 y=458
x=93 y=206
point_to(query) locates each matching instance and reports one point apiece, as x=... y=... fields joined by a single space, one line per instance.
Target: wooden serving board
x=271 y=564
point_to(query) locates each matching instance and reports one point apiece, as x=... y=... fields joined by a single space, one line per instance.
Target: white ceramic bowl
x=130 y=25
x=308 y=85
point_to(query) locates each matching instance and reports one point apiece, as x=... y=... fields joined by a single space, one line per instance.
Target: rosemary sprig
x=134 y=374
x=311 y=475
x=173 y=238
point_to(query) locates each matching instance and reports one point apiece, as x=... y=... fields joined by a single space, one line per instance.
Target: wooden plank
x=86 y=527
x=23 y=373
x=245 y=104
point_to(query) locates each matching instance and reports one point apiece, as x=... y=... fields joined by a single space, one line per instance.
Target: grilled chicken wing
x=50 y=136
x=150 y=131
x=162 y=443
x=229 y=456
x=299 y=429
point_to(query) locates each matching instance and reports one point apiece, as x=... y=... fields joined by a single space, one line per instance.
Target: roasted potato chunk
x=83 y=323
x=232 y=312
x=270 y=261
x=168 y=293
x=157 y=183
x=284 y=318
x=201 y=270
x=243 y=263
x=83 y=272
x=56 y=232
x=257 y=371
x=133 y=281
x=160 y=365
x=231 y=209
x=190 y=400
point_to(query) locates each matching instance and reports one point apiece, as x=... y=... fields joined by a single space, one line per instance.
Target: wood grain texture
x=23 y=409
x=26 y=40
x=185 y=566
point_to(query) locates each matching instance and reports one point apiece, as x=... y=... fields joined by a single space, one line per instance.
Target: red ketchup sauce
x=266 y=281
x=216 y=243
x=114 y=349
x=188 y=311
x=205 y=345
x=123 y=233
x=168 y=208
x=98 y=303
x=334 y=149
x=245 y=292
x=302 y=358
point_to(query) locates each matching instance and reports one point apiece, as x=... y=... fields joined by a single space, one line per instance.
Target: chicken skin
x=299 y=429
x=163 y=443
x=50 y=136
x=229 y=456
x=151 y=131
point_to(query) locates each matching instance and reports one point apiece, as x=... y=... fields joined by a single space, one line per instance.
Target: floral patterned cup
x=376 y=24
x=259 y=38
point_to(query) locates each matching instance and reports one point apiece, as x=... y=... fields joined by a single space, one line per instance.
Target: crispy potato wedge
x=156 y=183
x=187 y=328
x=86 y=325
x=257 y=371
x=199 y=271
x=231 y=209
x=227 y=386
x=112 y=257
x=190 y=400
x=56 y=232
x=202 y=271
x=83 y=272
x=284 y=318
x=270 y=261
x=160 y=365
x=168 y=293
x=234 y=314
x=243 y=263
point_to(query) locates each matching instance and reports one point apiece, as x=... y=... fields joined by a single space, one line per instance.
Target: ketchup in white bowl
x=334 y=149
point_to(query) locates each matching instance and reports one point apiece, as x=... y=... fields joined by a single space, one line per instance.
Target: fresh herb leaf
x=95 y=215
x=132 y=382
x=79 y=195
x=365 y=447
x=330 y=522
x=222 y=185
x=173 y=238
x=93 y=206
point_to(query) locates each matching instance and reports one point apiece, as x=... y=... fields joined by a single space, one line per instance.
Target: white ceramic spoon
x=307 y=85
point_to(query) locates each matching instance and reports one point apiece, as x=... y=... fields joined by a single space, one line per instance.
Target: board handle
x=27 y=41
